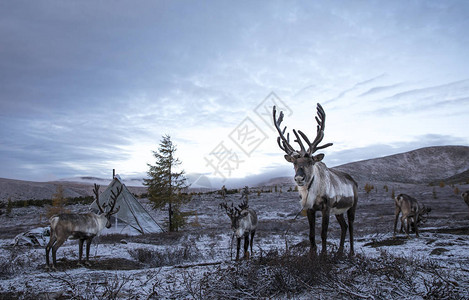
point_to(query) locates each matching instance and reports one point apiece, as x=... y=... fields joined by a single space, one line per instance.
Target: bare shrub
x=156 y=258
x=287 y=274
x=368 y=188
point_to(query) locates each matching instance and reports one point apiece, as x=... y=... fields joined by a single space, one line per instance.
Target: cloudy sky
x=88 y=86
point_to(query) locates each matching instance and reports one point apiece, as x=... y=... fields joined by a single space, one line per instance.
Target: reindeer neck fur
x=328 y=187
x=247 y=223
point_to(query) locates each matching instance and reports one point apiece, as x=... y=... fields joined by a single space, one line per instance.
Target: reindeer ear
x=318 y=157
x=288 y=158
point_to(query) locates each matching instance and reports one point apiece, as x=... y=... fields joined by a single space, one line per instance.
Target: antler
x=96 y=193
x=114 y=197
x=230 y=211
x=285 y=141
x=244 y=204
x=312 y=147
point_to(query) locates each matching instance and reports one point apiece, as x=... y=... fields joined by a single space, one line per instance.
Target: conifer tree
x=166 y=185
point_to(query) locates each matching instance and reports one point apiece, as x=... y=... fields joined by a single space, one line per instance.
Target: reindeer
x=413 y=213
x=465 y=197
x=243 y=223
x=80 y=226
x=320 y=188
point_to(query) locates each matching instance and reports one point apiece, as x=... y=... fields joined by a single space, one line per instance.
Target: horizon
x=86 y=85
x=200 y=181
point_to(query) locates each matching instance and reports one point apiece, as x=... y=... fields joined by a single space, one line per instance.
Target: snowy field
x=196 y=262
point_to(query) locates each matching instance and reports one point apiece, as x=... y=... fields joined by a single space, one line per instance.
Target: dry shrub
x=368 y=188
x=165 y=257
x=279 y=274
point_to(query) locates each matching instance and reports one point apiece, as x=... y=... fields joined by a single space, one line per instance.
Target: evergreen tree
x=165 y=185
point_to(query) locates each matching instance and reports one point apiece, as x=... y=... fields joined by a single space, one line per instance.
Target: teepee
x=131 y=212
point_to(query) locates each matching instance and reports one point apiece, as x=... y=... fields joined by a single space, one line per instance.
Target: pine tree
x=165 y=185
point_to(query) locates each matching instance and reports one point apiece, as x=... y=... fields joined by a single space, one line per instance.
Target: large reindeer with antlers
x=80 y=226
x=243 y=223
x=320 y=188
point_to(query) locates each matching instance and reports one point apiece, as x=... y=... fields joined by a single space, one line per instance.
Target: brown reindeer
x=80 y=226
x=243 y=223
x=321 y=189
x=413 y=213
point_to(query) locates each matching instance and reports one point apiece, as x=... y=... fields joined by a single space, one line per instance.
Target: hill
x=25 y=190
x=423 y=165
x=426 y=165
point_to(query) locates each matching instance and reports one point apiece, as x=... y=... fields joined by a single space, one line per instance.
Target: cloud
x=84 y=85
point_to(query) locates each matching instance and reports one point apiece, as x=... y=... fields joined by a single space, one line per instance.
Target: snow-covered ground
x=195 y=261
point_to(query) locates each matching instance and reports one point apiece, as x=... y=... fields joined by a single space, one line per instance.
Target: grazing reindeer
x=412 y=213
x=320 y=188
x=243 y=223
x=80 y=226
x=465 y=197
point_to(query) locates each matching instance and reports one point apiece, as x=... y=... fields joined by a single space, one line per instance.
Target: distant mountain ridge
x=425 y=165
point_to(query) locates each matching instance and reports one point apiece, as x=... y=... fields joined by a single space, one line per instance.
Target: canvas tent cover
x=131 y=212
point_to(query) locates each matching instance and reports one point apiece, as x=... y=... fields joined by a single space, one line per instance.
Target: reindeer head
x=113 y=201
x=237 y=214
x=303 y=160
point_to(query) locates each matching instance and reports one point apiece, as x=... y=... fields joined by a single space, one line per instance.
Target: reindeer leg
x=246 y=246
x=52 y=240
x=252 y=239
x=396 y=213
x=406 y=225
x=311 y=213
x=343 y=231
x=351 y=219
x=238 y=244
x=416 y=223
x=88 y=245
x=80 y=250
x=54 y=251
x=325 y=226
